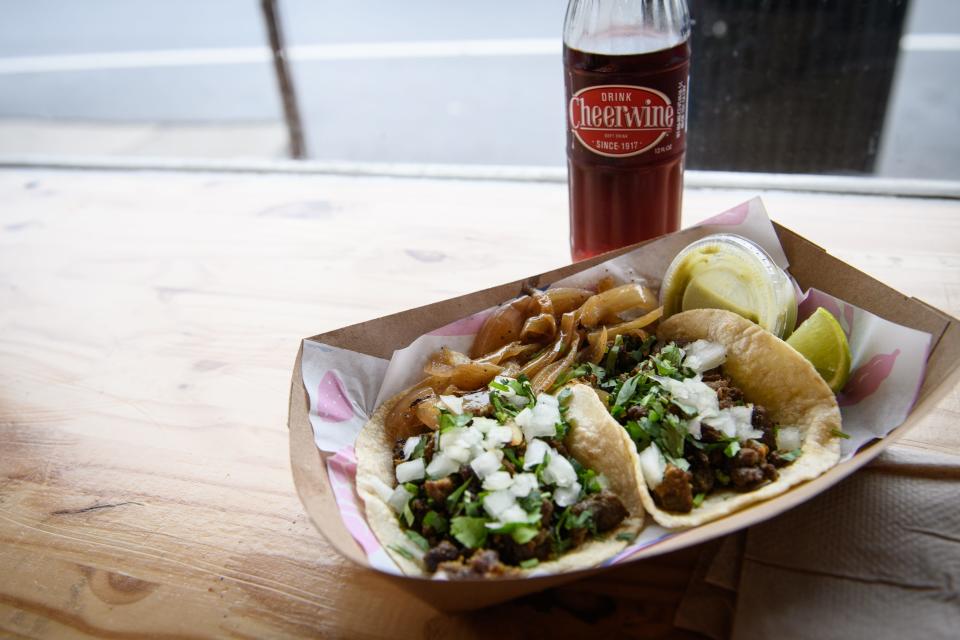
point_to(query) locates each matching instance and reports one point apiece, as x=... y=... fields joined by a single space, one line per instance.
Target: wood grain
x=148 y=327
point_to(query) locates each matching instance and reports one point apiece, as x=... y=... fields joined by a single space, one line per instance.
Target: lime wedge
x=821 y=340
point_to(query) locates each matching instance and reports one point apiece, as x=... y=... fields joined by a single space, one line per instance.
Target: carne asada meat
x=443 y=552
x=675 y=492
x=438 y=490
x=484 y=563
x=605 y=508
x=512 y=552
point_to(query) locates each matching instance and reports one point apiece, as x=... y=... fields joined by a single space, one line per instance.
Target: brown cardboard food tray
x=811 y=265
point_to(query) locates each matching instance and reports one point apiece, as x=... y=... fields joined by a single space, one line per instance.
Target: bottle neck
x=622 y=27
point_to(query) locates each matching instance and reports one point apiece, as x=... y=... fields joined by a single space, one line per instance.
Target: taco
x=722 y=414
x=503 y=485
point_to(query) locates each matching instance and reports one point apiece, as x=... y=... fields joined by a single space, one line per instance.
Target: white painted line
x=930 y=42
x=512 y=173
x=255 y=55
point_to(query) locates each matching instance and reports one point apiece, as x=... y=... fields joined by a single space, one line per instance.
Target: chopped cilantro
x=627 y=390
x=451 y=421
x=626 y=535
x=839 y=434
x=529 y=564
x=403 y=552
x=408 y=514
x=672 y=436
x=680 y=463
x=721 y=477
x=454 y=497
x=417 y=539
x=731 y=449
x=610 y=363
x=698 y=499
x=790 y=456
x=435 y=522
x=501 y=411
x=418 y=450
x=470 y=532
x=511 y=455
x=668 y=360
x=532 y=501
x=523 y=535
x=411 y=488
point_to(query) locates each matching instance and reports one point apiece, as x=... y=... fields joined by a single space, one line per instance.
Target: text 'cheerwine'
x=621 y=120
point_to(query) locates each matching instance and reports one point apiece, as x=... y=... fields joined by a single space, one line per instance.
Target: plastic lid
x=727 y=271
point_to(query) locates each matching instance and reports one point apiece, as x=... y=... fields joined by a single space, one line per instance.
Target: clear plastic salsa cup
x=727 y=271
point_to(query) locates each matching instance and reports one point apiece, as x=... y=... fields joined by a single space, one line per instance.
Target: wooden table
x=148 y=327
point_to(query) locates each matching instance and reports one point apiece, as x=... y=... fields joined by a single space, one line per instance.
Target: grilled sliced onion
x=545 y=379
x=598 y=346
x=428 y=412
x=539 y=328
x=567 y=331
x=403 y=420
x=633 y=328
x=509 y=352
x=442 y=362
x=606 y=307
x=474 y=375
x=502 y=327
x=567 y=299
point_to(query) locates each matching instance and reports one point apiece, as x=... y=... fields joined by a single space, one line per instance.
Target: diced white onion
x=410 y=471
x=523 y=484
x=743 y=417
x=499 y=436
x=703 y=355
x=457 y=453
x=547 y=400
x=566 y=496
x=451 y=437
x=693 y=427
x=453 y=403
x=497 y=481
x=789 y=438
x=409 y=446
x=691 y=392
x=653 y=465
x=399 y=498
x=541 y=420
x=514 y=513
x=476 y=402
x=496 y=502
x=485 y=464
x=536 y=449
x=441 y=466
x=734 y=422
x=517 y=400
x=483 y=425
x=559 y=471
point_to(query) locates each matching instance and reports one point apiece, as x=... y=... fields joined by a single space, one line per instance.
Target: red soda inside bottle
x=626 y=68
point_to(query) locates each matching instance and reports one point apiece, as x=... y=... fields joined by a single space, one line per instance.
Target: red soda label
x=617 y=120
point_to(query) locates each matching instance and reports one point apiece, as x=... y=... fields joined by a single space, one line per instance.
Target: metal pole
x=291 y=112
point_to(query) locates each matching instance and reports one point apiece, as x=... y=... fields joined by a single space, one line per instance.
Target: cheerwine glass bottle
x=626 y=70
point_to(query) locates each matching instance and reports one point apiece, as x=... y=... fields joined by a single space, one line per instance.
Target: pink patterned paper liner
x=333 y=402
x=731 y=217
x=342 y=468
x=464 y=327
x=631 y=550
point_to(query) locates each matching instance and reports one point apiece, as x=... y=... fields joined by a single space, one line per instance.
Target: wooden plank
x=148 y=328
